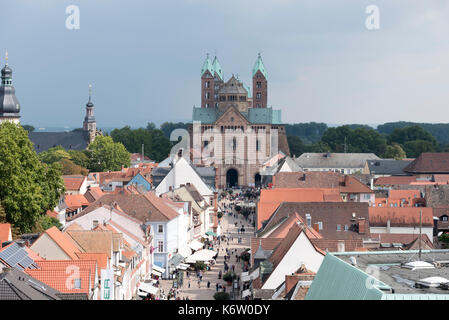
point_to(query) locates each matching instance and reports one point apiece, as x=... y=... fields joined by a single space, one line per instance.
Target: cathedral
x=230 y=116
x=75 y=140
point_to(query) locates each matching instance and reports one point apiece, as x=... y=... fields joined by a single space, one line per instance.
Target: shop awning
x=159 y=269
x=156 y=273
x=182 y=266
x=196 y=245
x=185 y=251
x=245 y=278
x=254 y=274
x=148 y=288
x=201 y=255
x=211 y=233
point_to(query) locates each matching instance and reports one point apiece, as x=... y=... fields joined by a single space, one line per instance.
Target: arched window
x=234 y=143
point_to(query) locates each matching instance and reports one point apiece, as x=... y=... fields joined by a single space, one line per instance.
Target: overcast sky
x=144 y=58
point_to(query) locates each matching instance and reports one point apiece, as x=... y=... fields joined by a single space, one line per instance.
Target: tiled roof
x=73 y=140
x=74 y=226
x=100 y=258
x=330 y=214
x=388 y=167
x=73 y=182
x=75 y=201
x=50 y=213
x=271 y=198
x=441 y=178
x=332 y=245
x=282 y=230
x=64 y=242
x=404 y=238
x=93 y=241
x=430 y=162
x=58 y=279
x=404 y=194
x=320 y=179
x=144 y=208
x=400 y=216
x=334 y=160
x=394 y=180
x=17 y=285
x=93 y=194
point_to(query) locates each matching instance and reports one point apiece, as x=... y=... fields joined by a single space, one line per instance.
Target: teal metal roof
x=217 y=67
x=260 y=66
x=248 y=89
x=254 y=115
x=205 y=115
x=338 y=280
x=207 y=66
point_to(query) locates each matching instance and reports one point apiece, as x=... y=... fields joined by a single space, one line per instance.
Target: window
x=258 y=105
x=160 y=228
x=346 y=227
x=258 y=84
x=258 y=95
x=207 y=84
x=338 y=227
x=77 y=284
x=207 y=95
x=309 y=220
x=207 y=105
x=160 y=246
x=234 y=144
x=444 y=218
x=257 y=145
x=320 y=225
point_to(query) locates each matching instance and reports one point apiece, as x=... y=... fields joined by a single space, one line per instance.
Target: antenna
x=90 y=92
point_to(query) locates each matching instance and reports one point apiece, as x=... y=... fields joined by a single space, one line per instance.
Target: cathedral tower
x=260 y=83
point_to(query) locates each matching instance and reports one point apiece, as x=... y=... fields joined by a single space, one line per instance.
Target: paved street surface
x=203 y=293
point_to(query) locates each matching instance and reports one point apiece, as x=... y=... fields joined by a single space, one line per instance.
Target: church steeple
x=260 y=84
x=9 y=105
x=89 y=124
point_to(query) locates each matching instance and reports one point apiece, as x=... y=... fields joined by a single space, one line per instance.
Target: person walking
x=216 y=286
x=189 y=283
x=208 y=284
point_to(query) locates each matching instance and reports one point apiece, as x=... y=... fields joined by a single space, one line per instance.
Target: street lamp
x=235 y=288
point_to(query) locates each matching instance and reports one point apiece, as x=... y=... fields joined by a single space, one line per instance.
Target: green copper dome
x=217 y=68
x=207 y=66
x=259 y=66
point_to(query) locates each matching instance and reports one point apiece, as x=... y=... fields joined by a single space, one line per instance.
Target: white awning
x=156 y=273
x=159 y=269
x=182 y=266
x=148 y=288
x=245 y=278
x=195 y=245
x=254 y=274
x=246 y=293
x=185 y=251
x=201 y=255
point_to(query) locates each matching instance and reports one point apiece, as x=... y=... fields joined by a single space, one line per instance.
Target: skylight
x=416 y=265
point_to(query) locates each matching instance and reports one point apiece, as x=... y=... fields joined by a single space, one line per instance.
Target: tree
x=151 y=126
x=28 y=128
x=411 y=133
x=222 y=296
x=28 y=188
x=296 y=145
x=53 y=155
x=80 y=157
x=107 y=155
x=168 y=127
x=229 y=276
x=68 y=167
x=199 y=265
x=394 y=151
x=414 y=148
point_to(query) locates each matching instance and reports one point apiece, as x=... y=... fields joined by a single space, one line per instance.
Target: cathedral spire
x=259 y=66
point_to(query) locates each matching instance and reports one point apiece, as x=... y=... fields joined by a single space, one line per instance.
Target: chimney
x=316 y=227
x=361 y=225
x=188 y=184
x=170 y=188
x=388 y=226
x=341 y=246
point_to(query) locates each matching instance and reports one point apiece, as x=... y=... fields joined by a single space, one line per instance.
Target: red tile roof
x=61 y=281
x=400 y=216
x=429 y=162
x=101 y=258
x=404 y=238
x=282 y=230
x=394 y=180
x=93 y=194
x=73 y=182
x=318 y=179
x=270 y=199
x=75 y=201
x=332 y=245
x=63 y=241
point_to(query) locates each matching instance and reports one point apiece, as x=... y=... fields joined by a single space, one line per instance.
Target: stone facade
x=241 y=128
